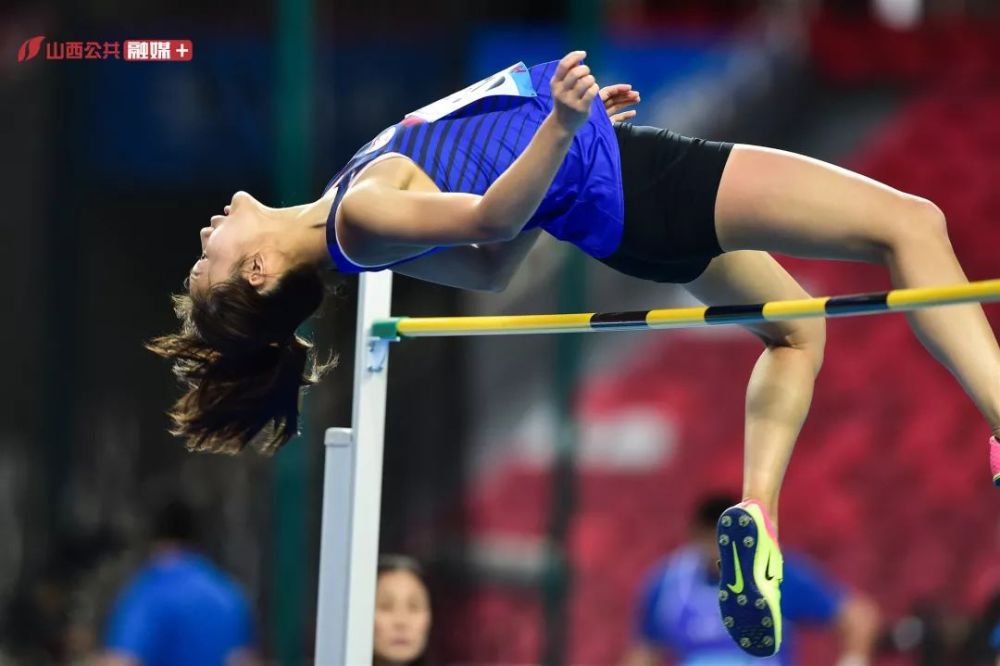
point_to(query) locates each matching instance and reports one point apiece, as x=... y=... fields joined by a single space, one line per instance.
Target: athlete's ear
x=254 y=269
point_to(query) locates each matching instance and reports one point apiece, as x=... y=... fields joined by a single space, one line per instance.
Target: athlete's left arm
x=483 y=267
x=617 y=97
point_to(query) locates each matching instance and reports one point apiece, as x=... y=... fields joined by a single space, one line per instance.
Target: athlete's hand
x=618 y=96
x=573 y=91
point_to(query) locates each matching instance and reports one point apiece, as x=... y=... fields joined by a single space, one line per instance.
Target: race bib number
x=513 y=81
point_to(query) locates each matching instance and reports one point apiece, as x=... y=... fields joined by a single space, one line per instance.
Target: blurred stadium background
x=538 y=478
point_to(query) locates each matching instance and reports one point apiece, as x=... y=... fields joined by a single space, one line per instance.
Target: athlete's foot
x=995 y=460
x=751 y=567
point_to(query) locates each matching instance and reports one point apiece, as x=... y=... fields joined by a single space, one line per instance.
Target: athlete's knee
x=918 y=220
x=804 y=335
x=928 y=218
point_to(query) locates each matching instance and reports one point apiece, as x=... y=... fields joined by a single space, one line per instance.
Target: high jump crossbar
x=897 y=300
x=353 y=466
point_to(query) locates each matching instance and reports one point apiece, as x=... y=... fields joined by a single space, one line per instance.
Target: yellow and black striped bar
x=898 y=300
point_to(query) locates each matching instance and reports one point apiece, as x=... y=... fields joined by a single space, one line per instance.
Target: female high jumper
x=457 y=193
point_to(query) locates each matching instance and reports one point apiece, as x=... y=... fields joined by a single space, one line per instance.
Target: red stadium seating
x=856 y=50
x=889 y=487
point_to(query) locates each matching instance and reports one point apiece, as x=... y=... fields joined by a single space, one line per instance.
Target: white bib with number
x=512 y=81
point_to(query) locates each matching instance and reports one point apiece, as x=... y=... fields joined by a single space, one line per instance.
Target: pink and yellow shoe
x=750 y=589
x=995 y=460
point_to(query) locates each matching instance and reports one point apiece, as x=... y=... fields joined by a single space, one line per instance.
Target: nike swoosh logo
x=738 y=587
x=767 y=569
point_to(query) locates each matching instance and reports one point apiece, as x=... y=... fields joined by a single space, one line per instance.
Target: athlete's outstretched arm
x=485 y=267
x=376 y=213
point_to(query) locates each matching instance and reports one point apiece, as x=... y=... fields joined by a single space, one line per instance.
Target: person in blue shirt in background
x=179 y=609
x=678 y=615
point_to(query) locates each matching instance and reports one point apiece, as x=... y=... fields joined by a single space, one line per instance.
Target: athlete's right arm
x=484 y=267
x=378 y=213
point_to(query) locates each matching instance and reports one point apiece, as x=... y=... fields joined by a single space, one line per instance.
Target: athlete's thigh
x=747 y=277
x=778 y=201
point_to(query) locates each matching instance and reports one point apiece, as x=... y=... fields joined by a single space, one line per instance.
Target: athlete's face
x=231 y=237
x=402 y=617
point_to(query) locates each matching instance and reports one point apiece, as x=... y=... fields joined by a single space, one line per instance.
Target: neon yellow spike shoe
x=751 y=567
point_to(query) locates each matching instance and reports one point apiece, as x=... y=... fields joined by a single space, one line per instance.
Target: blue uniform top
x=180 y=610
x=679 y=610
x=466 y=140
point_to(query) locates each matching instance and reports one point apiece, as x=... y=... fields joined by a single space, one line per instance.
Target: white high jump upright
x=352 y=493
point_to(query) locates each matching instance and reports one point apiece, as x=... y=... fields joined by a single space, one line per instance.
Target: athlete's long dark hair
x=241 y=362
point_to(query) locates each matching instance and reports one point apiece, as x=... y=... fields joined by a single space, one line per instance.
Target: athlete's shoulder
x=391 y=169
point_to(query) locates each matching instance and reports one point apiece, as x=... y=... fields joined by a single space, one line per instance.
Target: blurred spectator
x=980 y=646
x=179 y=609
x=995 y=643
x=49 y=620
x=402 y=613
x=679 y=611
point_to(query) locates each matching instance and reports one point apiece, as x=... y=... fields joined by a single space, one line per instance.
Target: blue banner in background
x=185 y=123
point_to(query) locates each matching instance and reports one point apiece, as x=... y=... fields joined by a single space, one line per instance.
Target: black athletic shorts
x=670 y=183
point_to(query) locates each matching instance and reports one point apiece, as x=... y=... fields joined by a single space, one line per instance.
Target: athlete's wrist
x=556 y=129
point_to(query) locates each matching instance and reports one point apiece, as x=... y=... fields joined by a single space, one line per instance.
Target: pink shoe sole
x=995 y=460
x=767 y=519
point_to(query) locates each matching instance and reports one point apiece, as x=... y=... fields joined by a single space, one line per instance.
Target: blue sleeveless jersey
x=466 y=140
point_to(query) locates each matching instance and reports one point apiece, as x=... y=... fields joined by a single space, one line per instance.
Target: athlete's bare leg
x=781 y=385
x=776 y=201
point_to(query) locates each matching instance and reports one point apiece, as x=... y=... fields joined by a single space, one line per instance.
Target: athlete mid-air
x=458 y=191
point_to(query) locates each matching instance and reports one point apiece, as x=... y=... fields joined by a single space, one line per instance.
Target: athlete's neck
x=303 y=231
